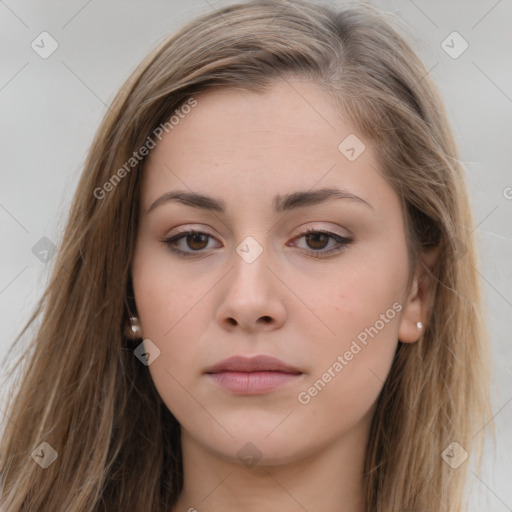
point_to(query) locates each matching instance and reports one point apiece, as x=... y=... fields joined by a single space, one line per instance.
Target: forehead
x=235 y=142
x=288 y=112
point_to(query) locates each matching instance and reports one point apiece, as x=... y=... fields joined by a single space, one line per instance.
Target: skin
x=244 y=148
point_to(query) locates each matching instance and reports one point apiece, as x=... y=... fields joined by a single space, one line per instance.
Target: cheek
x=162 y=295
x=351 y=367
x=173 y=314
x=361 y=306
x=172 y=321
x=344 y=305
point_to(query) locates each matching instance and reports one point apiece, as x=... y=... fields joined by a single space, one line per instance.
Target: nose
x=251 y=297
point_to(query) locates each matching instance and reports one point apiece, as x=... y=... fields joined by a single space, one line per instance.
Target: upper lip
x=252 y=364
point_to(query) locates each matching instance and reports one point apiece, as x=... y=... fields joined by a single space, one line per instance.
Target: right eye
x=195 y=241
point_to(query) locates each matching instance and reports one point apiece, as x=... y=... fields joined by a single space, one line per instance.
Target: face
x=318 y=281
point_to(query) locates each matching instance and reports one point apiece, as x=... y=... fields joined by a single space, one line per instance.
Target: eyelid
x=302 y=229
x=306 y=228
x=186 y=228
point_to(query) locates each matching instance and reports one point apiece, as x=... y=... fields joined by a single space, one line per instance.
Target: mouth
x=252 y=376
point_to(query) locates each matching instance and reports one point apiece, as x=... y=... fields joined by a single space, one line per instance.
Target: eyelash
x=342 y=242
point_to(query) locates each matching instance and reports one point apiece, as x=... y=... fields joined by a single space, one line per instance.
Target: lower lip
x=252 y=383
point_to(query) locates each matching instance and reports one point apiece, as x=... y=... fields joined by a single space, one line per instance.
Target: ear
x=419 y=299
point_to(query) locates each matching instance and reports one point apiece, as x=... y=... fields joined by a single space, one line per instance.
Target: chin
x=261 y=444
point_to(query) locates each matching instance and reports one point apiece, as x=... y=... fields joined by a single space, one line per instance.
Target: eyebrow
x=281 y=203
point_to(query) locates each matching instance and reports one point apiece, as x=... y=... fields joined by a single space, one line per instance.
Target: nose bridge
x=250 y=265
x=250 y=297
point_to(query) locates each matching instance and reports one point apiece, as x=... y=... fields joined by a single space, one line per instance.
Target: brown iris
x=197 y=238
x=317 y=240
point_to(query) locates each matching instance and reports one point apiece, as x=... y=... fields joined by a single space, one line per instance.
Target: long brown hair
x=79 y=386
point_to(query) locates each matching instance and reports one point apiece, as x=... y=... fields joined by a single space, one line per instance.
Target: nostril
x=266 y=319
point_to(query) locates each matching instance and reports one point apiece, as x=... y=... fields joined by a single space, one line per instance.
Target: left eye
x=319 y=240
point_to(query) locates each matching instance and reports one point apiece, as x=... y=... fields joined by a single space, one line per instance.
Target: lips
x=252 y=364
x=252 y=376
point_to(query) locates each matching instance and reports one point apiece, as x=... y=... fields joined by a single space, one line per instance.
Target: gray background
x=50 y=109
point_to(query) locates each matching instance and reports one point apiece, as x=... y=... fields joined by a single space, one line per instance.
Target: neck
x=328 y=479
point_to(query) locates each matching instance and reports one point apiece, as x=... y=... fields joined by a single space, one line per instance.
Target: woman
x=266 y=293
